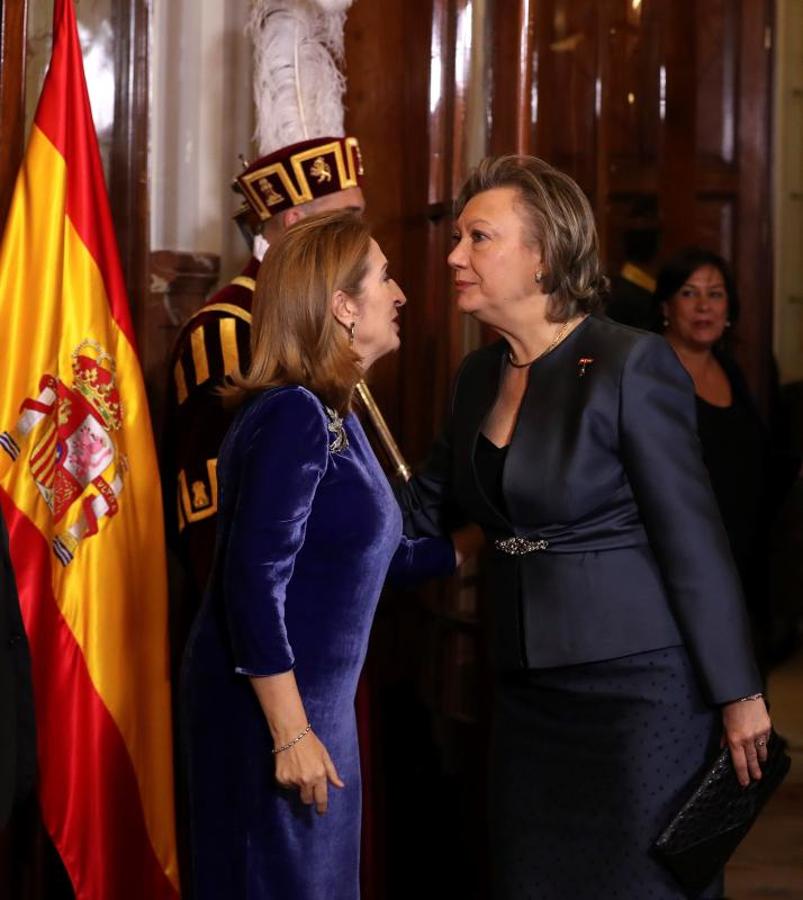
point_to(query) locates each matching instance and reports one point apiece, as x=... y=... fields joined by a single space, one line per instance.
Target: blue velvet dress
x=308 y=530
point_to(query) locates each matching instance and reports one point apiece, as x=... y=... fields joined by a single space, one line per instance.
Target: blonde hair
x=561 y=224
x=295 y=338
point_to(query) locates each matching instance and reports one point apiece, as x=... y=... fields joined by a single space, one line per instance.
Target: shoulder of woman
x=481 y=359
x=620 y=346
x=286 y=410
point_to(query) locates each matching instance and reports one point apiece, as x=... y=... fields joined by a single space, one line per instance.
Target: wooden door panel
x=715 y=223
x=566 y=94
x=716 y=52
x=633 y=94
x=13 y=24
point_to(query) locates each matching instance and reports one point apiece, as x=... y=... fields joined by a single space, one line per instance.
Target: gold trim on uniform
x=231 y=308
x=228 y=344
x=251 y=184
x=244 y=281
x=287 y=183
x=336 y=150
x=199 y=359
x=353 y=147
x=199 y=503
x=181 y=382
x=632 y=273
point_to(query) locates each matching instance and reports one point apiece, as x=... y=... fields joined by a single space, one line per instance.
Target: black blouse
x=735 y=453
x=489 y=461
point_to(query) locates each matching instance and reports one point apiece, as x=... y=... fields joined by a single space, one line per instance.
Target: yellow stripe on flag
x=122 y=637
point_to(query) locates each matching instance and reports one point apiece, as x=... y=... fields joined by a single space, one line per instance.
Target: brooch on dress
x=582 y=364
x=340 y=441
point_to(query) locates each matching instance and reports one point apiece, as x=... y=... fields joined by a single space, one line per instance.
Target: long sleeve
x=419 y=559
x=664 y=464
x=424 y=499
x=284 y=460
x=427 y=500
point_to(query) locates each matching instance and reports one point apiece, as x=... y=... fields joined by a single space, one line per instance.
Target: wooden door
x=660 y=111
x=416 y=99
x=656 y=107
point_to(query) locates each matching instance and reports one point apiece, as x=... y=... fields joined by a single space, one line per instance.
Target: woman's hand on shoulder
x=747 y=729
x=307 y=766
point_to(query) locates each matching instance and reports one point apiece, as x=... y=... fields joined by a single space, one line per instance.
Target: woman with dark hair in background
x=697 y=300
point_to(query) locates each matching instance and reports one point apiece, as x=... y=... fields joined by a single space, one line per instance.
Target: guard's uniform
x=214 y=342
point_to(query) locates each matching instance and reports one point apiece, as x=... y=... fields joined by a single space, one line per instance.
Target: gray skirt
x=588 y=764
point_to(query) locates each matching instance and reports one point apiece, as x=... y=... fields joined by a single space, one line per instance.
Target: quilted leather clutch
x=709 y=826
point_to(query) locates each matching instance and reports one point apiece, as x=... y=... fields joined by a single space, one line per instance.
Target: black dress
x=736 y=454
x=751 y=475
x=588 y=763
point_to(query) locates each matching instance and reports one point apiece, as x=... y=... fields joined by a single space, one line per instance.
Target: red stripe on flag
x=65 y=116
x=47 y=478
x=83 y=760
x=42 y=457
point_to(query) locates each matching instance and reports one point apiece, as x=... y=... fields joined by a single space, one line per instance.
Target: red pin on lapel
x=582 y=365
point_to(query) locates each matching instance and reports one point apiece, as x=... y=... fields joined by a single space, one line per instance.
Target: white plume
x=298 y=85
x=334 y=5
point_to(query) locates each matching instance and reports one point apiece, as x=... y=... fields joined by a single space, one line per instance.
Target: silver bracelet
x=295 y=740
x=751 y=697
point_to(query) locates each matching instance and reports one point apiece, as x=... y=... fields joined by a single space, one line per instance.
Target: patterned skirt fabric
x=588 y=765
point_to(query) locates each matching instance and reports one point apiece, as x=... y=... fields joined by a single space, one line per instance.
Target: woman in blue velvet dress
x=309 y=529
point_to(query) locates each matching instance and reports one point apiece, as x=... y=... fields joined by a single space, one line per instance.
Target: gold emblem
x=269 y=192
x=200 y=498
x=321 y=170
x=197 y=500
x=74 y=459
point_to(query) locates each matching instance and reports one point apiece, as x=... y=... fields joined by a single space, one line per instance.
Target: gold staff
x=383 y=432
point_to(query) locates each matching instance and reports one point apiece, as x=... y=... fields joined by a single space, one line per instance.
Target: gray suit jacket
x=605 y=467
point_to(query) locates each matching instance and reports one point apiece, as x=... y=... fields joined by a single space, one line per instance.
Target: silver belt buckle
x=519 y=546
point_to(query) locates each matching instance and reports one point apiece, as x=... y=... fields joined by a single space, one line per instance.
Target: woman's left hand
x=747 y=729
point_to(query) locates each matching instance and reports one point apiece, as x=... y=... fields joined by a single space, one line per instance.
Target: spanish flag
x=80 y=491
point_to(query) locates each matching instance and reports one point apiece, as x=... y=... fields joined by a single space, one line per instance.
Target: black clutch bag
x=709 y=826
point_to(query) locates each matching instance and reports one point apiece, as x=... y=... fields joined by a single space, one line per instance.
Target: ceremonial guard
x=279 y=189
x=306 y=166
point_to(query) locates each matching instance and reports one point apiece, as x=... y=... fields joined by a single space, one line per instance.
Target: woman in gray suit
x=622 y=649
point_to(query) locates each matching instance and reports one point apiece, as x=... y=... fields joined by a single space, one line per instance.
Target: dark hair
x=561 y=224
x=677 y=270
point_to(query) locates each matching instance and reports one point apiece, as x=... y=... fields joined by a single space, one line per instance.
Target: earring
x=352 y=329
x=666 y=322
x=539 y=277
x=727 y=323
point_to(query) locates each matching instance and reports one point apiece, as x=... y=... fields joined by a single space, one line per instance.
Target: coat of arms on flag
x=79 y=489
x=71 y=431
